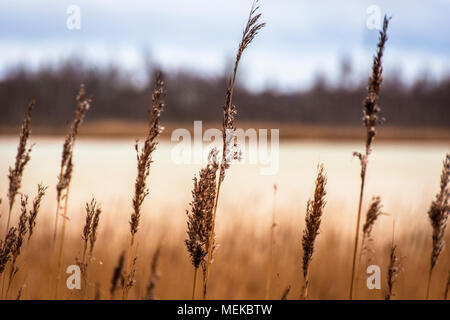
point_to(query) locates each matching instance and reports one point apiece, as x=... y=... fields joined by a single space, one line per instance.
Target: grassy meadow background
x=404 y=174
x=311 y=73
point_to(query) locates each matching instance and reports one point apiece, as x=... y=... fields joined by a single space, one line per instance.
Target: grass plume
x=6 y=248
x=22 y=158
x=370 y=120
x=66 y=170
x=17 y=247
x=314 y=211
x=88 y=235
x=144 y=159
x=199 y=224
x=438 y=215
x=35 y=210
x=394 y=270
x=229 y=151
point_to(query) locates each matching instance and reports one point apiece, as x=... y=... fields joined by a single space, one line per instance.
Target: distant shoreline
x=287 y=131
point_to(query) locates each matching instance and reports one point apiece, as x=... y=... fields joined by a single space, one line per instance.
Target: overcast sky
x=301 y=39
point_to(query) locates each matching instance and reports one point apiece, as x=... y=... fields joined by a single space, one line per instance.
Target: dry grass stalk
x=31 y=225
x=313 y=218
x=65 y=176
x=93 y=211
x=286 y=293
x=22 y=158
x=6 y=248
x=89 y=235
x=229 y=151
x=16 y=249
x=371 y=216
x=66 y=169
x=129 y=279
x=370 y=120
x=272 y=237
x=394 y=270
x=199 y=223
x=154 y=275
x=117 y=275
x=144 y=159
x=438 y=215
x=35 y=210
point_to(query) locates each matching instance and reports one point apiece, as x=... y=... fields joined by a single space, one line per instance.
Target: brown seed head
x=372 y=215
x=371 y=109
x=144 y=156
x=64 y=178
x=230 y=151
x=439 y=211
x=21 y=228
x=36 y=206
x=199 y=224
x=313 y=217
x=6 y=247
x=22 y=157
x=394 y=270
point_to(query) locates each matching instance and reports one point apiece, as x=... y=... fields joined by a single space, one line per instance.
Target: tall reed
x=394 y=269
x=6 y=248
x=22 y=158
x=17 y=247
x=65 y=176
x=144 y=159
x=89 y=236
x=438 y=215
x=229 y=151
x=314 y=211
x=35 y=210
x=199 y=223
x=370 y=120
x=372 y=215
x=33 y=213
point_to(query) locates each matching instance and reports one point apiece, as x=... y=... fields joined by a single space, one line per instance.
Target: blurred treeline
x=424 y=103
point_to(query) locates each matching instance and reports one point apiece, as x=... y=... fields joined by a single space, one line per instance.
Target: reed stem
x=355 y=246
x=194 y=284
x=129 y=259
x=61 y=246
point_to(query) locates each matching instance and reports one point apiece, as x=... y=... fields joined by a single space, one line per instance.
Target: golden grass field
x=405 y=175
x=260 y=236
